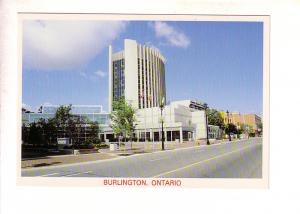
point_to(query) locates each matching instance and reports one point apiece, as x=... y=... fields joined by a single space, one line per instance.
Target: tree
x=215 y=118
x=64 y=124
x=48 y=129
x=260 y=128
x=25 y=133
x=231 y=129
x=78 y=129
x=241 y=130
x=40 y=132
x=62 y=119
x=51 y=131
x=94 y=130
x=35 y=134
x=70 y=129
x=123 y=118
x=251 y=131
x=67 y=124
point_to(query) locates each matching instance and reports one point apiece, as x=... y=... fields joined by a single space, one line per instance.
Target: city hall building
x=138 y=74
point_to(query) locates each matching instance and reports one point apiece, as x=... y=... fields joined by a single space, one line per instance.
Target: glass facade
x=143 y=83
x=76 y=109
x=91 y=113
x=49 y=109
x=118 y=78
x=214 y=132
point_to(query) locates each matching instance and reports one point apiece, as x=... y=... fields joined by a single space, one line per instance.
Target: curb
x=122 y=157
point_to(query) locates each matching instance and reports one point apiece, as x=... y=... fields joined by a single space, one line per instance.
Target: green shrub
x=84 y=146
x=102 y=146
x=93 y=141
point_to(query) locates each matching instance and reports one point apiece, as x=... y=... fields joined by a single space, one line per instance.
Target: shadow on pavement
x=45 y=164
x=124 y=154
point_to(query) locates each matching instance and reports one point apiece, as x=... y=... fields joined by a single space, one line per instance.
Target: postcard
x=143 y=100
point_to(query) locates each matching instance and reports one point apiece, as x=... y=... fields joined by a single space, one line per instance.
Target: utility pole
x=206 y=119
x=229 y=136
x=162 y=105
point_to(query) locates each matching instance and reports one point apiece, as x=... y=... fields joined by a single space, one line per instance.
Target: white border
x=211 y=183
x=283 y=195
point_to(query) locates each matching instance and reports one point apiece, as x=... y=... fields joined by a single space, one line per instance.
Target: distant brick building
x=251 y=120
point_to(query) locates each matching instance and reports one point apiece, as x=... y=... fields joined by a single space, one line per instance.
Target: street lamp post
x=162 y=125
x=206 y=118
x=229 y=136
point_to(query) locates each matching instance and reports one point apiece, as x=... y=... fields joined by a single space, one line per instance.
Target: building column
x=166 y=137
x=180 y=134
x=159 y=135
x=171 y=136
x=151 y=134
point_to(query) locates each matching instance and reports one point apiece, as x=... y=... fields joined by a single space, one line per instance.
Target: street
x=239 y=159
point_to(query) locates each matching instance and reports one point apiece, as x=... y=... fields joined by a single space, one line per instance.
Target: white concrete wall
x=175 y=116
x=110 y=89
x=182 y=114
x=131 y=72
x=199 y=119
x=152 y=117
x=182 y=102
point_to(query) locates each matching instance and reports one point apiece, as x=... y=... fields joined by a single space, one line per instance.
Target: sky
x=219 y=63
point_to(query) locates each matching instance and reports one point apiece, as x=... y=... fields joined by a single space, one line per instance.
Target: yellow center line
x=78 y=173
x=202 y=161
x=49 y=174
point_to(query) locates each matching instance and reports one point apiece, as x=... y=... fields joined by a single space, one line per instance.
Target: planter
x=113 y=147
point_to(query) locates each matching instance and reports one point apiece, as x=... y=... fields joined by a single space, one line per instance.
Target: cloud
x=100 y=73
x=150 y=44
x=83 y=74
x=172 y=36
x=47 y=103
x=66 y=45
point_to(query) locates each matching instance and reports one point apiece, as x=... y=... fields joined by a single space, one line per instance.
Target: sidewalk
x=149 y=147
x=65 y=159
x=127 y=150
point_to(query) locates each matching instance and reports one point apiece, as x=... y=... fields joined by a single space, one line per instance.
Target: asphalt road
x=242 y=159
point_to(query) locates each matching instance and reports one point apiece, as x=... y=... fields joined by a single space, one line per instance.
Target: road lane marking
x=159 y=159
x=202 y=161
x=49 y=174
x=78 y=173
x=63 y=166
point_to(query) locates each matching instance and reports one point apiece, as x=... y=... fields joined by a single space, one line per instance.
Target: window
x=139 y=84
